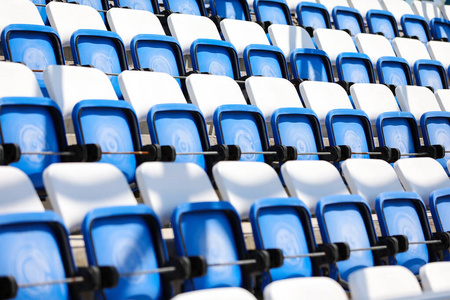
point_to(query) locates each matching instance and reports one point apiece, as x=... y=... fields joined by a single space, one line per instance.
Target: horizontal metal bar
x=315 y=254
x=369 y=248
x=414 y=154
x=146 y=272
x=235 y=263
x=64 y=153
x=426 y=242
x=53 y=282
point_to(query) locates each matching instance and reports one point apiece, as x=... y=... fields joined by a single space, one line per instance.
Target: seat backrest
x=369 y=178
x=269 y=94
x=211 y=91
x=18 y=193
x=422 y=175
x=347 y=18
x=19 y=12
x=330 y=4
x=145 y=89
x=440 y=28
x=188 y=7
x=434 y=276
x=443 y=98
x=413 y=25
x=394 y=70
x=322 y=97
x=128 y=23
x=243 y=33
x=373 y=99
x=430 y=73
x=383 y=281
x=68 y=85
x=397 y=7
x=426 y=9
x=66 y=18
x=347 y=218
x=312 y=180
x=188 y=28
x=74 y=189
x=410 y=49
x=416 y=99
x=217 y=293
x=17 y=80
x=242 y=183
x=313 y=15
x=439 y=208
x=435 y=128
x=307 y=288
x=439 y=51
x=365 y=6
x=264 y=60
x=274 y=11
x=288 y=38
x=231 y=9
x=311 y=64
x=375 y=46
x=381 y=21
x=334 y=42
x=156 y=181
x=355 y=68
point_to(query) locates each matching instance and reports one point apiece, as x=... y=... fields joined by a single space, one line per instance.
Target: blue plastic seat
x=313 y=15
x=128 y=238
x=430 y=73
x=34 y=45
x=273 y=11
x=189 y=7
x=405 y=213
x=435 y=128
x=149 y=5
x=230 y=9
x=355 y=68
x=101 y=6
x=35 y=248
x=215 y=57
x=394 y=71
x=35 y=124
x=101 y=49
x=440 y=28
x=381 y=21
x=311 y=64
x=439 y=207
x=347 y=18
x=348 y=218
x=158 y=52
x=212 y=230
x=264 y=60
x=416 y=26
x=114 y=126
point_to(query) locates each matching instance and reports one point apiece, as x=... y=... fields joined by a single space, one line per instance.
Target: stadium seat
x=440 y=28
x=311 y=64
x=439 y=51
x=313 y=16
x=443 y=98
x=264 y=60
x=373 y=99
x=156 y=181
x=149 y=5
x=101 y=49
x=215 y=57
x=398 y=8
x=417 y=100
x=426 y=9
x=434 y=277
x=269 y=94
x=436 y=131
x=145 y=89
x=231 y=9
x=405 y=213
x=369 y=184
x=347 y=18
x=355 y=68
x=430 y=73
x=273 y=11
x=421 y=175
x=19 y=12
x=288 y=38
x=40 y=5
x=17 y=80
x=189 y=7
x=365 y=6
x=323 y=97
x=394 y=71
x=382 y=22
x=383 y=282
x=410 y=49
x=375 y=46
x=305 y=289
x=439 y=207
x=331 y=4
x=416 y=26
x=217 y=293
x=128 y=23
x=102 y=6
x=242 y=183
x=211 y=91
x=334 y=42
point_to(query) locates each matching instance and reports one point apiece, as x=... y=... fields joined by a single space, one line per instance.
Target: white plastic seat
x=440 y=51
x=435 y=276
x=410 y=49
x=18 y=12
x=416 y=99
x=292 y=4
x=68 y=85
x=422 y=175
x=128 y=23
x=443 y=99
x=305 y=288
x=383 y=282
x=18 y=80
x=243 y=33
x=188 y=28
x=426 y=9
x=66 y=18
x=374 y=46
x=242 y=183
x=369 y=178
x=397 y=7
x=17 y=192
x=364 y=6
x=330 y=4
x=145 y=89
x=322 y=97
x=373 y=99
x=334 y=42
x=288 y=38
x=217 y=294
x=270 y=93
x=164 y=186
x=74 y=189
x=310 y=180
